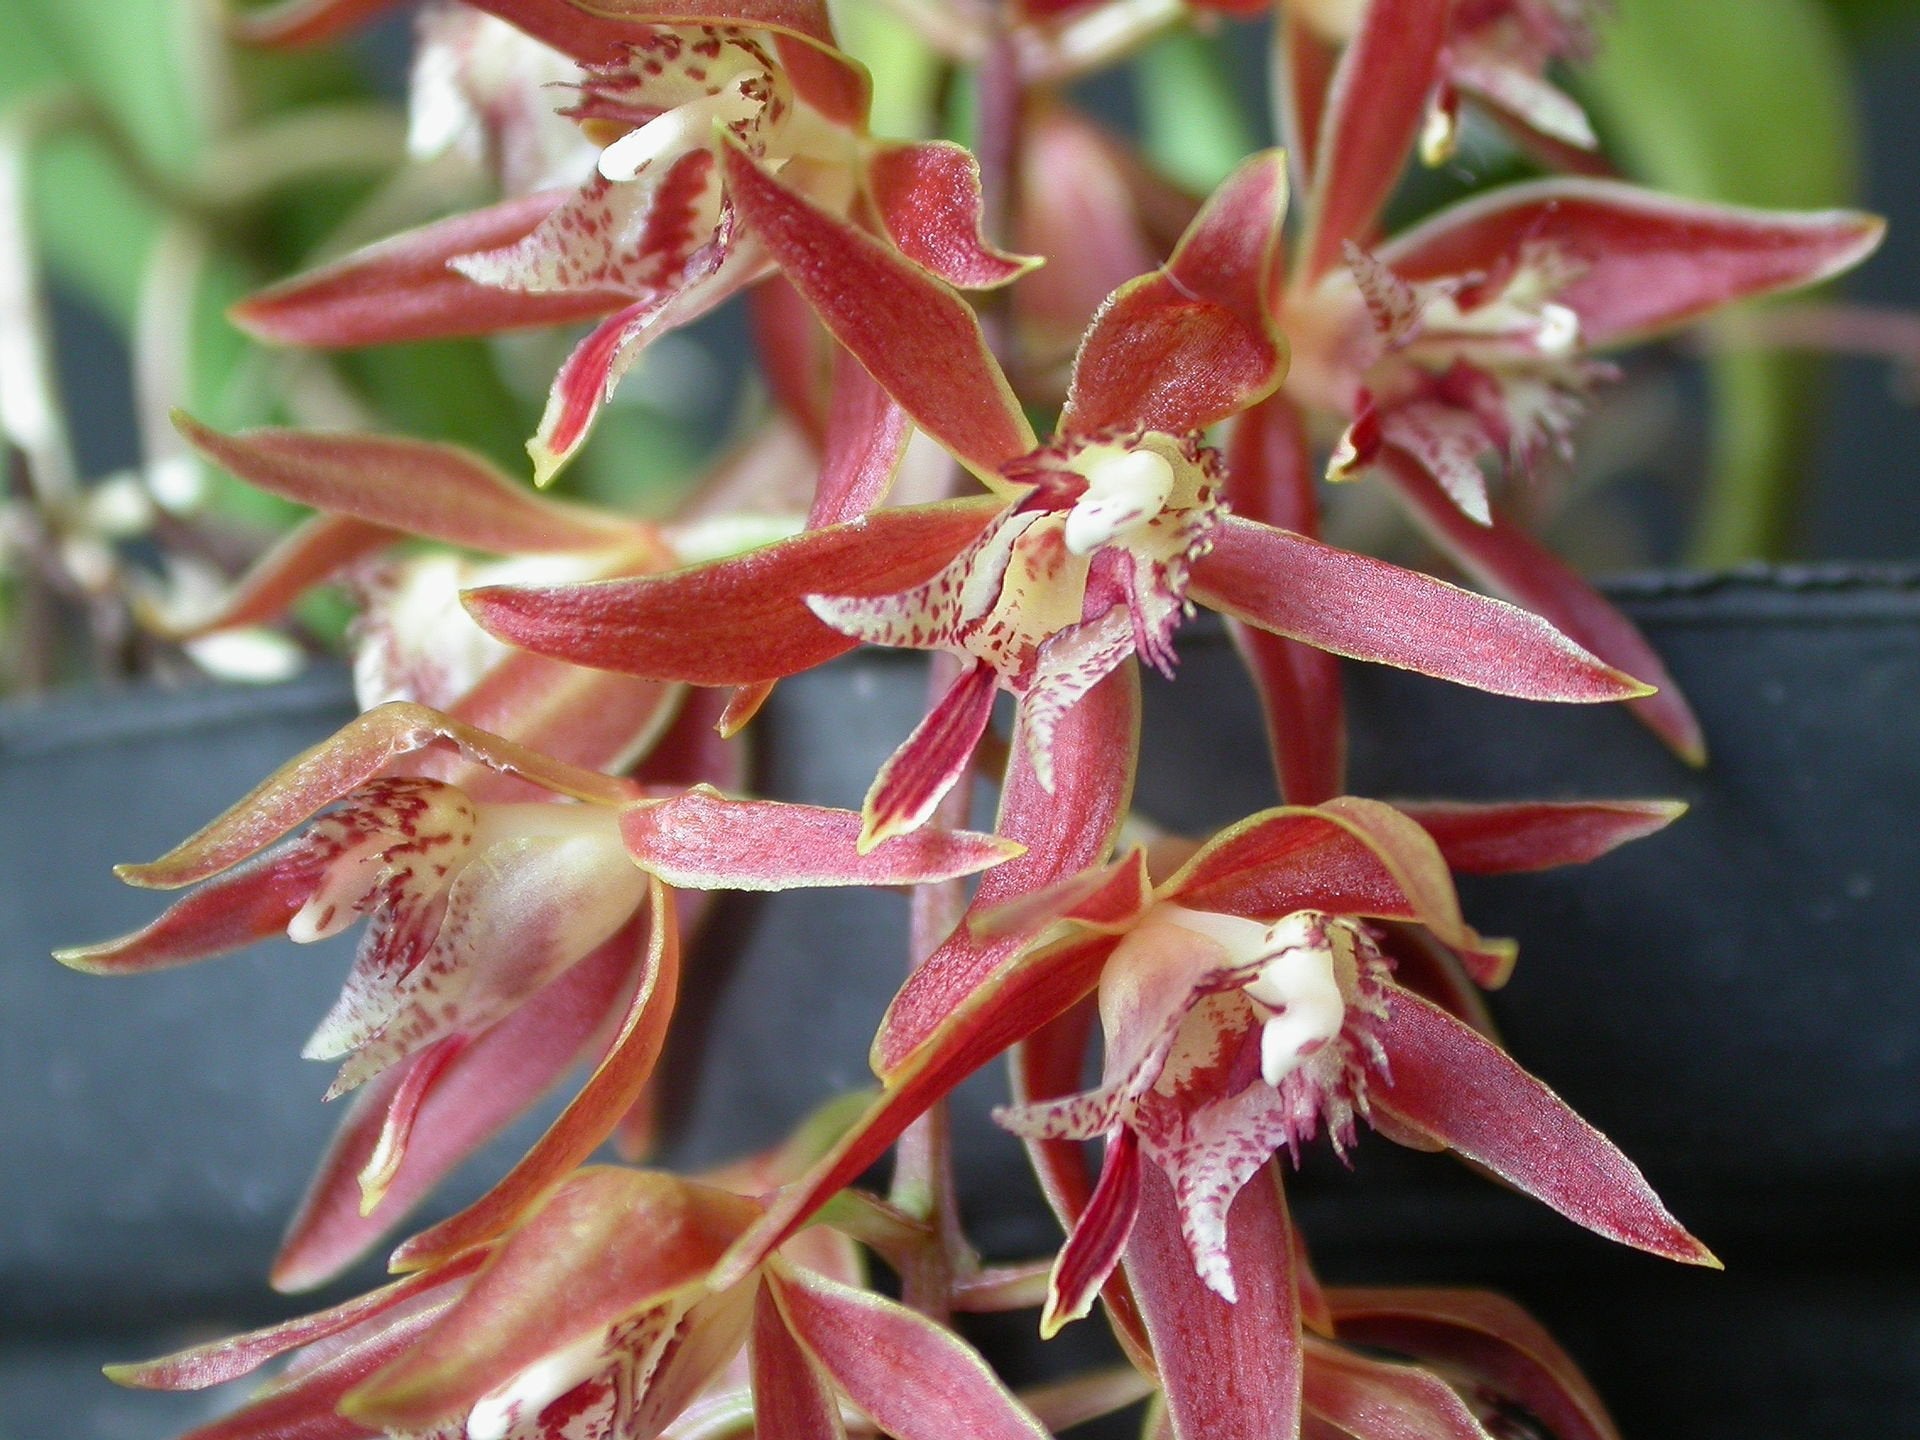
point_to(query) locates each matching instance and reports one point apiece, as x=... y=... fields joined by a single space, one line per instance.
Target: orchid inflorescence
x=545 y=782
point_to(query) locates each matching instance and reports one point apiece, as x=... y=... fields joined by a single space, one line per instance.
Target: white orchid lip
x=675 y=132
x=1125 y=489
x=1295 y=993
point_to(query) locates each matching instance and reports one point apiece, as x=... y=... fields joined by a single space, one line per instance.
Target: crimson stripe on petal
x=1446 y=1079
x=791 y=1397
x=915 y=777
x=1098 y=1236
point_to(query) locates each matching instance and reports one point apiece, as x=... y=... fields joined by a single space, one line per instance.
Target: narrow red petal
x=219 y=1361
x=791 y=1397
x=866 y=435
x=1505 y=558
x=1098 y=1237
x=1448 y=1080
x=309 y=555
x=938 y=752
x=229 y=912
x=792 y=348
x=919 y=339
x=1066 y=829
x=913 y=1377
x=1302 y=67
x=403 y=289
x=1370 y=610
x=1195 y=341
x=702 y=840
x=613 y=1088
x=1270 y=479
x=1504 y=838
x=1362 y=1395
x=1491 y=1338
x=1650 y=261
x=437 y=492
x=928 y=196
x=1229 y=1371
x=738 y=621
x=1376 y=104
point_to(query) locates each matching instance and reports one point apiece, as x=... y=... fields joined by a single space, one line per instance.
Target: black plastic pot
x=1735 y=1001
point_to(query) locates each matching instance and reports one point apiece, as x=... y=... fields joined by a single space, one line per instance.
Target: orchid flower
x=1106 y=538
x=652 y=239
x=593 y=1320
x=1475 y=334
x=503 y=935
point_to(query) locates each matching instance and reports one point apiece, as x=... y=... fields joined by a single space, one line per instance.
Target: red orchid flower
x=503 y=935
x=1473 y=335
x=652 y=239
x=594 y=1320
x=1111 y=531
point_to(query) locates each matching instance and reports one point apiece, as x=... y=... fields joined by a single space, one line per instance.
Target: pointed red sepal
x=230 y=912
x=701 y=840
x=1504 y=838
x=865 y=437
x=437 y=492
x=1490 y=1337
x=928 y=196
x=336 y=767
x=937 y=754
x=1098 y=1236
x=1352 y=1393
x=911 y=1376
x=737 y=621
x=1376 y=103
x=791 y=1397
x=1017 y=1000
x=309 y=555
x=1507 y=559
x=1195 y=341
x=1229 y=1371
x=920 y=340
x=1647 y=262
x=219 y=1361
x=1067 y=828
x=610 y=1092
x=501 y=1072
x=1270 y=479
x=605 y=1245
x=402 y=288
x=1367 y=609
x=1449 y=1081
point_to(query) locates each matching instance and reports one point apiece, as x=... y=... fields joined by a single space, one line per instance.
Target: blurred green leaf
x=906 y=72
x=1863 y=19
x=1192 y=119
x=446 y=390
x=94 y=225
x=1748 y=101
